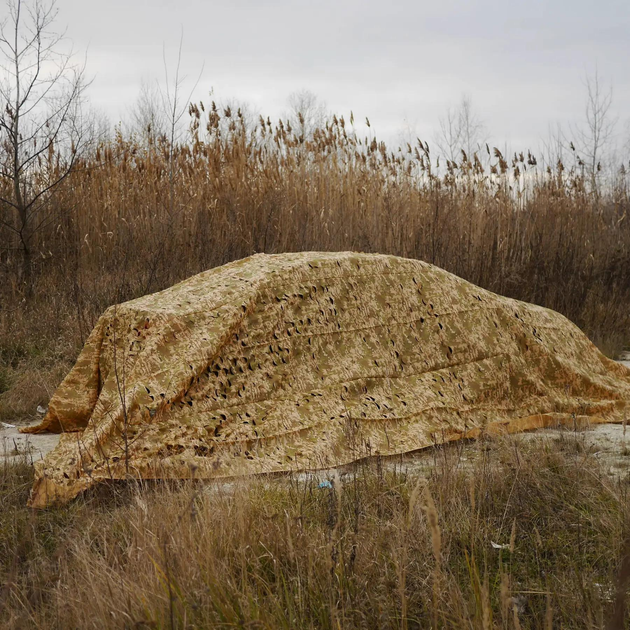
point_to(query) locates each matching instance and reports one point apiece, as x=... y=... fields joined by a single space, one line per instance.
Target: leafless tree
x=148 y=117
x=174 y=107
x=553 y=149
x=626 y=141
x=306 y=113
x=461 y=129
x=448 y=138
x=594 y=136
x=41 y=132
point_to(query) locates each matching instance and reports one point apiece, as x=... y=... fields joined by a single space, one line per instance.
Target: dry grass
x=37 y=349
x=138 y=217
x=382 y=549
x=386 y=549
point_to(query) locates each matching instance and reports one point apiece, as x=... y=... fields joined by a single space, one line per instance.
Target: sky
x=399 y=62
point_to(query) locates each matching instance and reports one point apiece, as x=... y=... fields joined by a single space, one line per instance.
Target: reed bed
x=140 y=213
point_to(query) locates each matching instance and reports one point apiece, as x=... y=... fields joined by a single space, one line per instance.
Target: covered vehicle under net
x=312 y=360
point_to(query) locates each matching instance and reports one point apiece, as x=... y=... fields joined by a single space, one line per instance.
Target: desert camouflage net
x=311 y=360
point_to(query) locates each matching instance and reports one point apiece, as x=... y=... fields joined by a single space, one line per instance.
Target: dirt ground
x=14 y=444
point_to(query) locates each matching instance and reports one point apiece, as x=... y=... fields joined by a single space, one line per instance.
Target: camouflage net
x=312 y=360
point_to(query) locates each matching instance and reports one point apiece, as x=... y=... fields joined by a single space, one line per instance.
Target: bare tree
x=306 y=113
x=448 y=139
x=148 y=115
x=553 y=148
x=175 y=107
x=593 y=137
x=41 y=131
x=461 y=129
x=626 y=136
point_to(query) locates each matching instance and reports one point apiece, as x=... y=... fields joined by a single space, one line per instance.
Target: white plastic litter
x=498 y=546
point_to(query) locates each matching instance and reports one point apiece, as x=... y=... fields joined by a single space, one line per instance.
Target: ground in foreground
x=509 y=533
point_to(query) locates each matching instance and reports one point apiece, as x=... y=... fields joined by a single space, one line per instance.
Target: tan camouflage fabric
x=312 y=360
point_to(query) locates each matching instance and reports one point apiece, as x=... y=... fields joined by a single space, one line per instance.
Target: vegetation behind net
x=141 y=211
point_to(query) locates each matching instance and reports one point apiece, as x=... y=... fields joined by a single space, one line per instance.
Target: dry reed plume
x=139 y=215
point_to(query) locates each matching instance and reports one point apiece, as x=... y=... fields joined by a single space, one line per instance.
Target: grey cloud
x=400 y=63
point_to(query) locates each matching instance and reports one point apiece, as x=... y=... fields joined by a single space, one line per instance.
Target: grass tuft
x=525 y=535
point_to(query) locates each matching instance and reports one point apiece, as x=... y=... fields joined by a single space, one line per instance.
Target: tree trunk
x=26 y=269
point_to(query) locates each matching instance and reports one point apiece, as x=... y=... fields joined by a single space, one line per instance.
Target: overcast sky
x=402 y=63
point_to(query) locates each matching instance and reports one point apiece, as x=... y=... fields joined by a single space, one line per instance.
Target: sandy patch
x=14 y=445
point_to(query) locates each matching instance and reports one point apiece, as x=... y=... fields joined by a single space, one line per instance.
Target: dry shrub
x=38 y=345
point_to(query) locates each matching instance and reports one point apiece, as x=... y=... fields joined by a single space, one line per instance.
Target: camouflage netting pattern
x=312 y=360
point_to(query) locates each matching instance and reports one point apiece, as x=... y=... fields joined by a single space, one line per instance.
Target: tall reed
x=139 y=215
